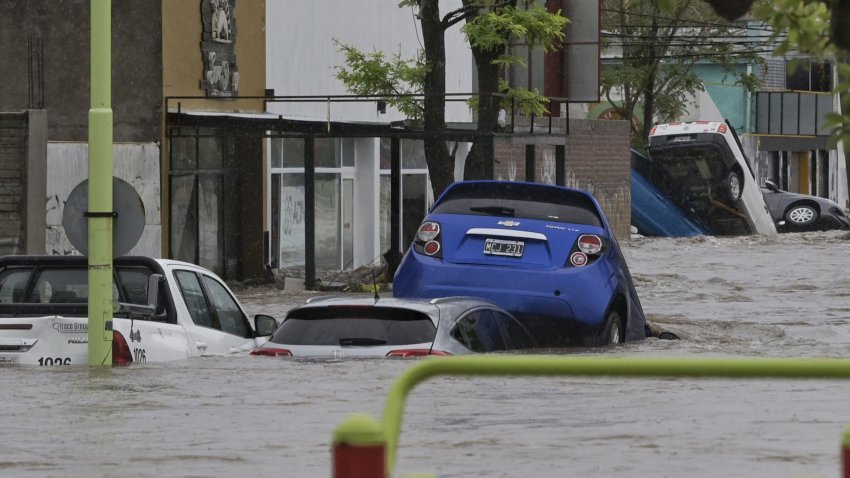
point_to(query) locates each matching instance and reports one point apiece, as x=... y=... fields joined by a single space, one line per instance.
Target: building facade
x=45 y=55
x=237 y=171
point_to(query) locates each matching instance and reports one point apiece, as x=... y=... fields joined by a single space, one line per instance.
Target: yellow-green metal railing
x=527 y=365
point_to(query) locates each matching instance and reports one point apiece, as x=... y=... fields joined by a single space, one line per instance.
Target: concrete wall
x=12 y=161
x=63 y=28
x=182 y=61
x=22 y=185
x=67 y=166
x=597 y=160
x=303 y=57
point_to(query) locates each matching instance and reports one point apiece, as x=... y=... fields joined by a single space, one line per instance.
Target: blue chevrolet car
x=545 y=253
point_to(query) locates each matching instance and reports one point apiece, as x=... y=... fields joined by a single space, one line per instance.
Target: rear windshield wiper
x=495 y=210
x=361 y=341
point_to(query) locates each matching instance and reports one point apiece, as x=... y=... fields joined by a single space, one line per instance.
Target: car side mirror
x=771 y=185
x=265 y=325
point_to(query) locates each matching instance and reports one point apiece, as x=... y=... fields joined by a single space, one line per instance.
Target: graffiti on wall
x=218 y=48
x=135 y=163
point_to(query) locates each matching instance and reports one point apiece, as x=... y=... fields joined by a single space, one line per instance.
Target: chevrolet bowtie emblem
x=508 y=223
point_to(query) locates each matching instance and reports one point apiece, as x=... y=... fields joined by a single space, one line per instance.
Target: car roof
x=454 y=304
x=507 y=183
x=79 y=260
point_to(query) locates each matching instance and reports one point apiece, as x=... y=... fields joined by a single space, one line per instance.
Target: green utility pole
x=100 y=215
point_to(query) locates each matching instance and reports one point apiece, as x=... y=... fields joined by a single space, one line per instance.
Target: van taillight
x=272 y=352
x=652 y=131
x=415 y=352
x=121 y=354
x=722 y=128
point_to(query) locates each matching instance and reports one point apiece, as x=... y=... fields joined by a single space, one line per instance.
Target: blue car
x=545 y=253
x=653 y=214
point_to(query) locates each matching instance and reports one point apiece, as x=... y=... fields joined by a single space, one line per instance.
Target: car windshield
x=347 y=325
x=519 y=200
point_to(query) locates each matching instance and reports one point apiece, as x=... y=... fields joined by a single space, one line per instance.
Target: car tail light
x=415 y=352
x=590 y=244
x=586 y=250
x=428 y=231
x=722 y=128
x=578 y=259
x=272 y=352
x=121 y=354
x=431 y=247
x=652 y=131
x=428 y=241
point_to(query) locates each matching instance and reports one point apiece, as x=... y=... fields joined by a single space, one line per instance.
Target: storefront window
x=210 y=152
x=413 y=154
x=292 y=220
x=292 y=151
x=414 y=191
x=326 y=153
x=183 y=153
x=184 y=221
x=334 y=195
x=327 y=221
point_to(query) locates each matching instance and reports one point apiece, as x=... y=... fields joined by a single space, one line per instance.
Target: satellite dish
x=127 y=227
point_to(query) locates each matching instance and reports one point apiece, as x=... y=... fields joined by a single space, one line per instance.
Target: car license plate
x=499 y=247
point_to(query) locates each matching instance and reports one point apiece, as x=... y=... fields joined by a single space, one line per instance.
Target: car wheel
x=801 y=215
x=612 y=332
x=733 y=185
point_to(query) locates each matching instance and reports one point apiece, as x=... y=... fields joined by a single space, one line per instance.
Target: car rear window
x=66 y=285
x=345 y=325
x=520 y=200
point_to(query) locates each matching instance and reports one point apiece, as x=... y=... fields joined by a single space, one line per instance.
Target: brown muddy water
x=787 y=296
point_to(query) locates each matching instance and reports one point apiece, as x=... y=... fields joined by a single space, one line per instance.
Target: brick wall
x=13 y=149
x=597 y=160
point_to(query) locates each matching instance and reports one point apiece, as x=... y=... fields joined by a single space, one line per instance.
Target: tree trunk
x=439 y=160
x=649 y=85
x=479 y=161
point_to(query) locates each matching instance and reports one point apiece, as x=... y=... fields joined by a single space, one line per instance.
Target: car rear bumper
x=576 y=295
x=44 y=341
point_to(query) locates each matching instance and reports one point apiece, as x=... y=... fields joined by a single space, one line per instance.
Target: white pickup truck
x=165 y=310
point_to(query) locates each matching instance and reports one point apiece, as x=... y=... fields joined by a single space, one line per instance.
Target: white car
x=701 y=166
x=340 y=327
x=165 y=310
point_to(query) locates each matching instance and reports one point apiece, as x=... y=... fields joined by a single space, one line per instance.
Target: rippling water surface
x=787 y=296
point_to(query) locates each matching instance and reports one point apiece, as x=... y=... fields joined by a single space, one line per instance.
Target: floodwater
x=787 y=296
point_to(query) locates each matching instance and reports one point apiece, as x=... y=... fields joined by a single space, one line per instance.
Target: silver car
x=341 y=327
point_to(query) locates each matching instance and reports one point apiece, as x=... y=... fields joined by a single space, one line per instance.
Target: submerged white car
x=165 y=310
x=701 y=166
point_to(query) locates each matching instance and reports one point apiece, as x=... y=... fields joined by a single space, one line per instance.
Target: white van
x=701 y=166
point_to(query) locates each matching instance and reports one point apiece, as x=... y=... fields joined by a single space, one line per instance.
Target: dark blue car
x=545 y=253
x=653 y=213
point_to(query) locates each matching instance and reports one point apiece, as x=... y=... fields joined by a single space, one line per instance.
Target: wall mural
x=218 y=48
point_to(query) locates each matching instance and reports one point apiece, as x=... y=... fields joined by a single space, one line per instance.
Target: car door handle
x=201 y=345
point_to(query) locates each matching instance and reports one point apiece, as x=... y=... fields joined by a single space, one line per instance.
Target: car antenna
x=374 y=284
